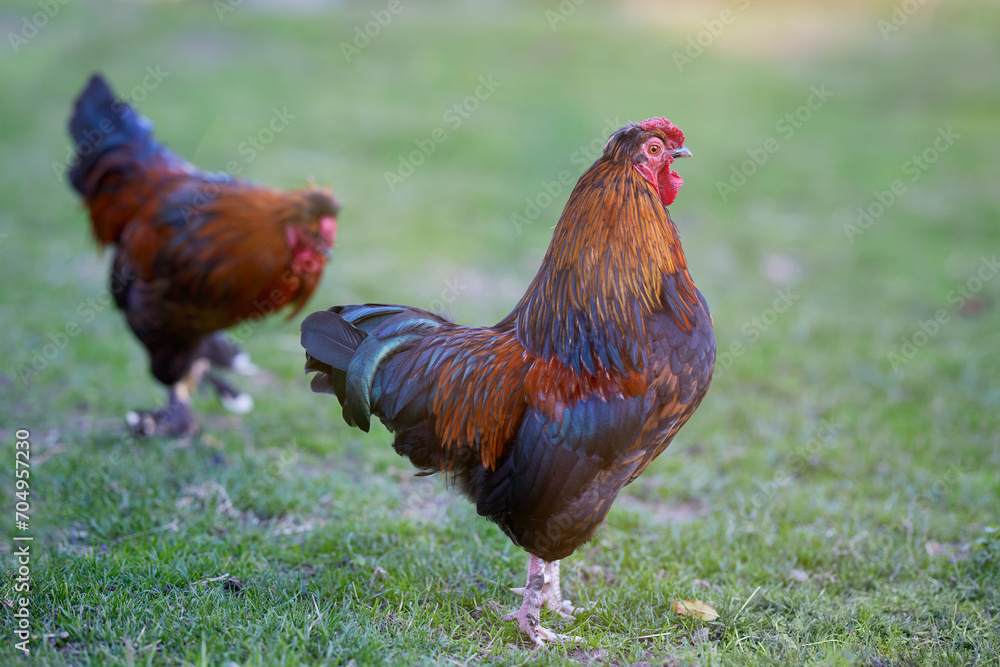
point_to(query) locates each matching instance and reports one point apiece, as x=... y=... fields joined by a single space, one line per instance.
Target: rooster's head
x=651 y=146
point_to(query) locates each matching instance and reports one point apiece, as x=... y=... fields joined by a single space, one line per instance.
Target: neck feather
x=615 y=259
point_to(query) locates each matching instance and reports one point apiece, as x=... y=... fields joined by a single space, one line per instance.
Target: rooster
x=542 y=419
x=195 y=252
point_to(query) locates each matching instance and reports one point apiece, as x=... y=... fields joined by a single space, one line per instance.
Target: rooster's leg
x=176 y=419
x=226 y=355
x=233 y=400
x=534 y=592
x=552 y=593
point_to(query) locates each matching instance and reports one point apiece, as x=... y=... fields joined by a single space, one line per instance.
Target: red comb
x=665 y=126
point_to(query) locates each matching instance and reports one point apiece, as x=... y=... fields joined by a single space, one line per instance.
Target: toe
x=140 y=424
x=566 y=610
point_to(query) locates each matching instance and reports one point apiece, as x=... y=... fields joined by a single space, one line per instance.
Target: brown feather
x=196 y=252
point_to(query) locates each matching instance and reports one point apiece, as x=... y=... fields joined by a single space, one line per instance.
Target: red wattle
x=670 y=183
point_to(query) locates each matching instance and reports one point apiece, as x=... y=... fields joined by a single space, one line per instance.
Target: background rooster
x=196 y=252
x=543 y=418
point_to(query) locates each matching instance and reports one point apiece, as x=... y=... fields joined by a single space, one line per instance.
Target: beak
x=683 y=151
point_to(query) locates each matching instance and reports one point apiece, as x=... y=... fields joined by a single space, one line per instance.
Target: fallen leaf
x=695 y=608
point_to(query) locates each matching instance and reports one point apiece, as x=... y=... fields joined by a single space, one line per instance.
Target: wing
x=464 y=385
x=120 y=169
x=452 y=395
x=680 y=370
x=216 y=249
x=574 y=449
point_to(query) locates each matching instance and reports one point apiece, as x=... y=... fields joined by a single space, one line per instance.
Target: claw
x=542 y=588
x=175 y=420
x=170 y=422
x=530 y=625
x=564 y=609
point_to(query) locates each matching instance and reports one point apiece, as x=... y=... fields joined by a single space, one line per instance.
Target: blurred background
x=840 y=214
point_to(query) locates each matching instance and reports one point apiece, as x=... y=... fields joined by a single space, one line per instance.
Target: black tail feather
x=101 y=123
x=330 y=340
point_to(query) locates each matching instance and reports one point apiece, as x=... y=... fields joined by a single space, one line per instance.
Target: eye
x=654 y=149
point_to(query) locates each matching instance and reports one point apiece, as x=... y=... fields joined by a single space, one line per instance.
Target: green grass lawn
x=833 y=498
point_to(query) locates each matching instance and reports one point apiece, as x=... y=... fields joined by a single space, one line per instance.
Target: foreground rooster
x=195 y=252
x=543 y=418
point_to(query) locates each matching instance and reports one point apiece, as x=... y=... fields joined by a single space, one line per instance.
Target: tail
x=110 y=138
x=346 y=345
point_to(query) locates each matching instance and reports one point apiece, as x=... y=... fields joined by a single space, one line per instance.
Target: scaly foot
x=174 y=421
x=541 y=589
x=552 y=592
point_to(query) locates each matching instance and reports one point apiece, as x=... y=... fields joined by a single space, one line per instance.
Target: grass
x=833 y=509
